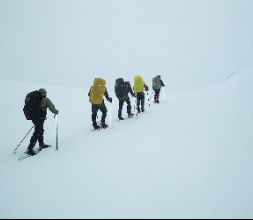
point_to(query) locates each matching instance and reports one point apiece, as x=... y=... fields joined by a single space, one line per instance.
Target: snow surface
x=189 y=157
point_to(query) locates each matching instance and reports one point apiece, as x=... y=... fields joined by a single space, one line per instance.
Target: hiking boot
x=95 y=126
x=130 y=115
x=43 y=146
x=104 y=126
x=30 y=152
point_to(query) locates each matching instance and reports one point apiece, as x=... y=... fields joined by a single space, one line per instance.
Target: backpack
x=139 y=84
x=157 y=83
x=128 y=87
x=120 y=88
x=32 y=107
x=97 y=91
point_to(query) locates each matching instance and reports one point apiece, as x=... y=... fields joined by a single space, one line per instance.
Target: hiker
x=35 y=109
x=139 y=88
x=157 y=85
x=96 y=98
x=122 y=89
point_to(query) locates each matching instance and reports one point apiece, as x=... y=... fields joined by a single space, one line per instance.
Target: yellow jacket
x=139 y=84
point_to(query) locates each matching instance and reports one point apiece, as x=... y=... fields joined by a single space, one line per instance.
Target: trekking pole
x=152 y=96
x=136 y=107
x=110 y=117
x=98 y=122
x=164 y=94
x=22 y=140
x=57 y=134
x=149 y=104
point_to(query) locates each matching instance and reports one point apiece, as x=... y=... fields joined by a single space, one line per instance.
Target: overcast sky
x=69 y=42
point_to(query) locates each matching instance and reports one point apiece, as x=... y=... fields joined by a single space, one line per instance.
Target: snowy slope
x=190 y=157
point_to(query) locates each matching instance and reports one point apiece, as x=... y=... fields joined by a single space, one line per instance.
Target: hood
x=43 y=92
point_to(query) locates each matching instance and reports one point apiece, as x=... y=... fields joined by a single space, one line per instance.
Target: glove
x=57 y=112
x=146 y=88
x=109 y=100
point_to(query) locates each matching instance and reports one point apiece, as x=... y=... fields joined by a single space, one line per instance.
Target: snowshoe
x=96 y=128
x=104 y=126
x=130 y=115
x=43 y=146
x=30 y=152
x=121 y=119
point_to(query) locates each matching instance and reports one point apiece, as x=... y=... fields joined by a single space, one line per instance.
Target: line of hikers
x=122 y=89
x=37 y=103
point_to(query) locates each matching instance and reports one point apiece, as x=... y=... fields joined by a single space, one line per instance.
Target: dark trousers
x=38 y=133
x=140 y=101
x=121 y=104
x=157 y=95
x=95 y=109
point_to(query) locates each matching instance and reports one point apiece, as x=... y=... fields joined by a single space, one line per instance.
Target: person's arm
x=162 y=83
x=107 y=96
x=51 y=106
x=89 y=92
x=130 y=89
x=146 y=87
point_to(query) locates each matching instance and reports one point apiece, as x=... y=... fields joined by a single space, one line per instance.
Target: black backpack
x=32 y=108
x=120 y=88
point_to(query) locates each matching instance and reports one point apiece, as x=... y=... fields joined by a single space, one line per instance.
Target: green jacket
x=47 y=104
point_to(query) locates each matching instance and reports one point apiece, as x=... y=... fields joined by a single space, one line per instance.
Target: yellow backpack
x=97 y=91
x=139 y=84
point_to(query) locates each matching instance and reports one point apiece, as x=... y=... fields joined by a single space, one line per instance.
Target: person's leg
x=154 y=95
x=142 y=102
x=37 y=135
x=41 y=132
x=34 y=137
x=103 y=109
x=157 y=96
x=138 y=102
x=94 y=116
x=129 y=107
x=121 y=103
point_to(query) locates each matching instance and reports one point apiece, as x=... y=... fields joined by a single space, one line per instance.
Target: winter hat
x=43 y=92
